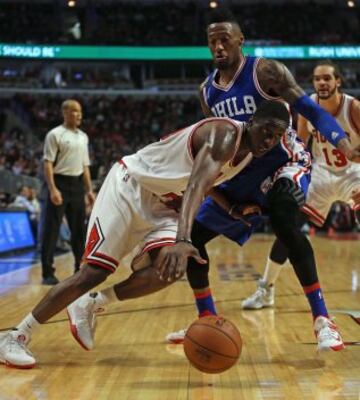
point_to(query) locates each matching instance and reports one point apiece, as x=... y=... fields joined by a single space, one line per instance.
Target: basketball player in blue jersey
x=235 y=89
x=334 y=178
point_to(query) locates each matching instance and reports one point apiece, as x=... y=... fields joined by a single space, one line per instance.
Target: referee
x=67 y=175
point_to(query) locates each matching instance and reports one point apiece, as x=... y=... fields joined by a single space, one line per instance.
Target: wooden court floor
x=131 y=361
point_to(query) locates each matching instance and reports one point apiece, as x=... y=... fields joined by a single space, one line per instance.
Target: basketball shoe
x=327 y=334
x=82 y=316
x=176 y=337
x=13 y=351
x=263 y=297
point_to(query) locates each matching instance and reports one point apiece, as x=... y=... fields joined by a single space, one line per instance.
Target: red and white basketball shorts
x=327 y=187
x=124 y=216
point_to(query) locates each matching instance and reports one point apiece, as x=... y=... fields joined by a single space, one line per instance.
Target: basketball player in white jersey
x=133 y=208
x=333 y=178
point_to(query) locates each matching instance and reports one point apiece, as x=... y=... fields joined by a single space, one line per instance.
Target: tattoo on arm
x=276 y=80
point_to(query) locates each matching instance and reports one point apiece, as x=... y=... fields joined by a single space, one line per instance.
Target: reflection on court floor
x=132 y=361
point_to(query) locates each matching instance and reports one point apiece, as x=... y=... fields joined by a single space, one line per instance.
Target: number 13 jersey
x=324 y=153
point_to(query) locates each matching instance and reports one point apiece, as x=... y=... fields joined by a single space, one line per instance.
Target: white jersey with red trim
x=324 y=153
x=165 y=167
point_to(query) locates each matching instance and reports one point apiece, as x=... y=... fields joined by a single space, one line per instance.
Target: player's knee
x=284 y=201
x=287 y=192
x=90 y=276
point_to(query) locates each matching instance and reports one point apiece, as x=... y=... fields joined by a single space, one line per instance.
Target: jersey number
x=340 y=159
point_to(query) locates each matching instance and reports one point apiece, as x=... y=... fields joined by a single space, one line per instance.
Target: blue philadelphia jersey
x=239 y=100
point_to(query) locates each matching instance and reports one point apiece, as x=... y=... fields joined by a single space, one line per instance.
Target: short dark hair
x=272 y=109
x=330 y=63
x=218 y=15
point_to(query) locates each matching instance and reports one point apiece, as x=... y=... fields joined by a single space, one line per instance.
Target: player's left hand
x=171 y=261
x=240 y=211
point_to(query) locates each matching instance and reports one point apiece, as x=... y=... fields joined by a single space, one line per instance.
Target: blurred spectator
x=26 y=199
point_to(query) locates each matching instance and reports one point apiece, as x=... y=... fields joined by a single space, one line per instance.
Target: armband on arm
x=320 y=119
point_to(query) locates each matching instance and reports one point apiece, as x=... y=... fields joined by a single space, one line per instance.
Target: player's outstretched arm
x=214 y=144
x=276 y=80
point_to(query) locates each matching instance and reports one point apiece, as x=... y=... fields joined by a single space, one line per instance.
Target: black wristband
x=183 y=240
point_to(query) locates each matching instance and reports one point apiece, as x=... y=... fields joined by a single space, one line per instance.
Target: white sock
x=272 y=271
x=28 y=324
x=104 y=297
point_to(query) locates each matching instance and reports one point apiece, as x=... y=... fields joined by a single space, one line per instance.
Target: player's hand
x=354 y=155
x=351 y=154
x=56 y=197
x=171 y=261
x=238 y=212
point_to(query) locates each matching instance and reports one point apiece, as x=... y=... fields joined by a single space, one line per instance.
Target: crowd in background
x=175 y=23
x=116 y=126
x=155 y=76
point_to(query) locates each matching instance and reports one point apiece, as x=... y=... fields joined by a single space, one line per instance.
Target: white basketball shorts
x=124 y=216
x=327 y=187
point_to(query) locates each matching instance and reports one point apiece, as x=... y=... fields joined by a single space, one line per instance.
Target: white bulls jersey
x=334 y=177
x=325 y=154
x=165 y=167
x=135 y=207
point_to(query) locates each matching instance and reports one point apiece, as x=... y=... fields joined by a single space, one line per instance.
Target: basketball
x=212 y=344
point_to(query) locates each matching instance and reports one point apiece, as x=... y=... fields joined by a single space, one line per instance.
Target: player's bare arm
x=214 y=144
x=205 y=109
x=276 y=80
x=355 y=114
x=355 y=119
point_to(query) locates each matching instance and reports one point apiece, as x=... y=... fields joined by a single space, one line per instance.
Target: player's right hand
x=351 y=154
x=354 y=155
x=56 y=197
x=171 y=261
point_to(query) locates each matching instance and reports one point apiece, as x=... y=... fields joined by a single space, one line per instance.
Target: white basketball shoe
x=13 y=351
x=82 y=316
x=327 y=335
x=264 y=296
x=176 y=337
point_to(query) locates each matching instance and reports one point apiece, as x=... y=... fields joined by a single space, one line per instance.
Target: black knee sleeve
x=279 y=252
x=198 y=274
x=284 y=201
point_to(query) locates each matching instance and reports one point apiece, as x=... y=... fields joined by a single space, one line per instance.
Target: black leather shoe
x=50 y=280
